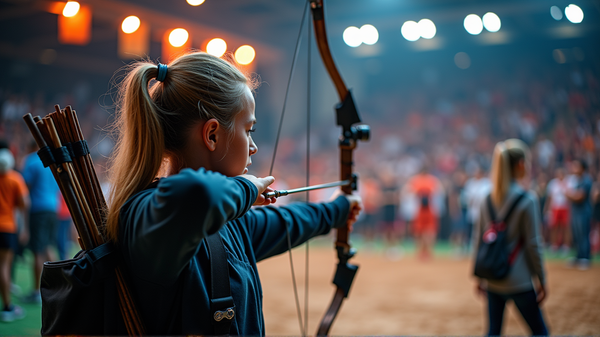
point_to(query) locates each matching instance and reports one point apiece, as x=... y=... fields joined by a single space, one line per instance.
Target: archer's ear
x=210 y=134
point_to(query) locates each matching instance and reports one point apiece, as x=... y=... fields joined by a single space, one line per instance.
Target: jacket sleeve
x=162 y=228
x=267 y=225
x=532 y=238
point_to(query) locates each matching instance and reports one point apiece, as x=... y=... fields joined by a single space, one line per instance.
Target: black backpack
x=79 y=295
x=493 y=260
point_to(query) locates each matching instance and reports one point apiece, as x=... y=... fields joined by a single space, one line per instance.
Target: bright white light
x=245 y=54
x=178 y=37
x=216 y=47
x=369 y=34
x=195 y=2
x=71 y=9
x=427 y=28
x=130 y=24
x=352 y=36
x=473 y=24
x=491 y=22
x=574 y=13
x=556 y=13
x=410 y=31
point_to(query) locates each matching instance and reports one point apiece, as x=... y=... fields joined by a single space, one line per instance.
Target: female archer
x=179 y=177
x=525 y=283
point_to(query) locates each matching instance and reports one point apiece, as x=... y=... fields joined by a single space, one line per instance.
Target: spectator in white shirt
x=557 y=210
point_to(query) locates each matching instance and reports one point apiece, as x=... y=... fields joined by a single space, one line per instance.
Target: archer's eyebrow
x=252 y=121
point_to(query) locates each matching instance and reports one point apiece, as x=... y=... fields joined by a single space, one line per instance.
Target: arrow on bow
x=348 y=118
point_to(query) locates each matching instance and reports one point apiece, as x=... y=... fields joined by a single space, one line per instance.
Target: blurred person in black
x=389 y=203
x=581 y=213
x=457 y=207
x=540 y=188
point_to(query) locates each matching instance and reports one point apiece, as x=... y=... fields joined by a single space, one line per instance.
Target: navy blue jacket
x=161 y=238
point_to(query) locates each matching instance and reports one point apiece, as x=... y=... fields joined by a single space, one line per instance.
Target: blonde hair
x=153 y=121
x=507 y=155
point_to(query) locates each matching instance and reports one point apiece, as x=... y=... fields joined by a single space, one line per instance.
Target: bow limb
x=323 y=44
x=347 y=117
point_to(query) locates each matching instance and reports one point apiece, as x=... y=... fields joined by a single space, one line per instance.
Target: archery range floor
x=405 y=296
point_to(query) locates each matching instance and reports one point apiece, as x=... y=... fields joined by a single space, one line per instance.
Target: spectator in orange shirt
x=428 y=191
x=13 y=196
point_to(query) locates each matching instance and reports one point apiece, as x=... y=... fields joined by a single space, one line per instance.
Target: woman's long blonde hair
x=507 y=155
x=153 y=121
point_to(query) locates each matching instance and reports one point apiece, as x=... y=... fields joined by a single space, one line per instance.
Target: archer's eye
x=251 y=130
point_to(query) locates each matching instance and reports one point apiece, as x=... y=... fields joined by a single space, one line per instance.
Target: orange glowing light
x=245 y=55
x=130 y=24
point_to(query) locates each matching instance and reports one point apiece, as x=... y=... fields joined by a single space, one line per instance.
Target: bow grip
x=345 y=272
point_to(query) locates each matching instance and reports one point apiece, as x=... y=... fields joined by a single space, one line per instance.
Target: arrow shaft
x=280 y=193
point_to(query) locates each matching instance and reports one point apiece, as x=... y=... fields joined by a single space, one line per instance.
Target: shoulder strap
x=490 y=207
x=221 y=302
x=513 y=254
x=513 y=206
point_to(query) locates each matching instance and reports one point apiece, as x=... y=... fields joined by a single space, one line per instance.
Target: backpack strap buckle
x=224 y=314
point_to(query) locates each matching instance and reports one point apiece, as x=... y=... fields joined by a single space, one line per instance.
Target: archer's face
x=236 y=155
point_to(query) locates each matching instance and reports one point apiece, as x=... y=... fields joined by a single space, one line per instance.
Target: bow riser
x=347 y=117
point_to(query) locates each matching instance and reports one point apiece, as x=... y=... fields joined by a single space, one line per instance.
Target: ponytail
x=507 y=155
x=139 y=152
x=499 y=174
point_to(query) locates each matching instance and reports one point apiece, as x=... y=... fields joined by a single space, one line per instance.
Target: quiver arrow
x=81 y=296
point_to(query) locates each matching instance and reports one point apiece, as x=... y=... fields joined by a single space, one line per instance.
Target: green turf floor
x=31 y=324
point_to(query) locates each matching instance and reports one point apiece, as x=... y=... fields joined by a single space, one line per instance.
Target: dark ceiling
x=26 y=31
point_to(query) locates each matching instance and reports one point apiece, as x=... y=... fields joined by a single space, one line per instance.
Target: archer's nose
x=253 y=147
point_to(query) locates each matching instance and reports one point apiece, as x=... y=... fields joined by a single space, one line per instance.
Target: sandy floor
x=408 y=297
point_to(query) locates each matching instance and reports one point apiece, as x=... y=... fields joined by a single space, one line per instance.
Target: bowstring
x=308 y=104
x=287 y=91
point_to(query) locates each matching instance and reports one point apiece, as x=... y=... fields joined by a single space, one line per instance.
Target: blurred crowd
x=425 y=171
x=450 y=131
x=435 y=139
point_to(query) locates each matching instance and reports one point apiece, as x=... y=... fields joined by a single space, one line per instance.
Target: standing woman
x=525 y=282
x=178 y=176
